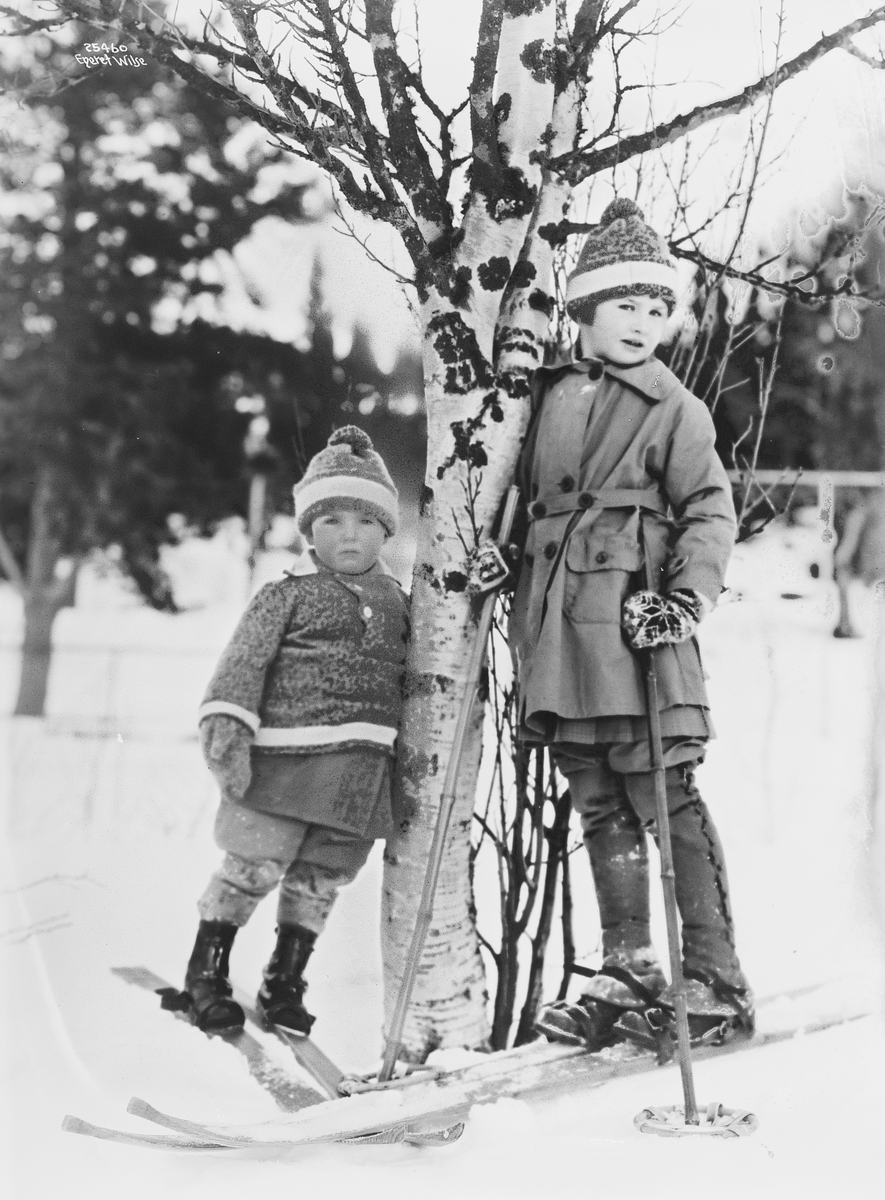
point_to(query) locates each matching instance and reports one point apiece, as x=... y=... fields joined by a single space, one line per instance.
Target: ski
x=413 y=1130
x=326 y=1074
x=156 y=1141
x=432 y=1112
x=289 y=1094
x=397 y=1132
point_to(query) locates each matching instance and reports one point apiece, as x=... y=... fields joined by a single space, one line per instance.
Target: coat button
x=585 y=499
x=550 y=550
x=602 y=557
x=539 y=509
x=566 y=483
x=594 y=371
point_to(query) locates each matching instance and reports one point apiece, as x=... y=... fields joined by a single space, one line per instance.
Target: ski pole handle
x=508 y=515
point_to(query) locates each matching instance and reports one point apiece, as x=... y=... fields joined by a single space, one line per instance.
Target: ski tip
x=140 y=976
x=72 y=1124
x=435 y=1137
x=140 y=1108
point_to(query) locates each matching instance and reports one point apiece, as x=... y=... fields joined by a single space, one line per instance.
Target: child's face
x=348 y=540
x=625 y=330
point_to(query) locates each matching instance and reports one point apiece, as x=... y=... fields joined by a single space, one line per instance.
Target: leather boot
x=212 y=1008
x=631 y=976
x=280 y=1000
x=717 y=1011
x=619 y=861
x=702 y=893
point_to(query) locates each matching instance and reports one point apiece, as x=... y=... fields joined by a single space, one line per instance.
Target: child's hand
x=226 y=743
x=488 y=568
x=650 y=619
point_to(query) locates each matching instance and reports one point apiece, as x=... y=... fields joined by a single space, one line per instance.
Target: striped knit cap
x=348 y=471
x=622 y=256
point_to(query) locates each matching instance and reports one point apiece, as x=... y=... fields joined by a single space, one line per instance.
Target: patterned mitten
x=226 y=743
x=650 y=619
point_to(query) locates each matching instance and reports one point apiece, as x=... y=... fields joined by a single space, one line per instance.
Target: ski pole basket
x=714 y=1121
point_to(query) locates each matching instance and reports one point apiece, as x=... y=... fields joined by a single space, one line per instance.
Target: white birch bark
x=474 y=431
x=449 y=1005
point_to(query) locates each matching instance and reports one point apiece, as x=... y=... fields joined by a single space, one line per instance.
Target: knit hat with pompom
x=622 y=256
x=350 y=472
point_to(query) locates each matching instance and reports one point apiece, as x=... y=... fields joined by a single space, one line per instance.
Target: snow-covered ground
x=109 y=844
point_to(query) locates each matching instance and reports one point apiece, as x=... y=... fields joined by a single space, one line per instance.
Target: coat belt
x=554 y=504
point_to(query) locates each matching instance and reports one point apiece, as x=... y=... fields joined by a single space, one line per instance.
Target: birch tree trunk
x=477 y=413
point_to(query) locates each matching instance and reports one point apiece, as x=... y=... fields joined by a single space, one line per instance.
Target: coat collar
x=651 y=380
x=569 y=363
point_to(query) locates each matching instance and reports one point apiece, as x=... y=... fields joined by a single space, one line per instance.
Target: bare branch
x=22 y=933
x=363 y=242
x=792 y=288
x=67 y=880
x=483 y=123
x=611 y=25
x=10 y=566
x=877 y=64
x=167 y=44
x=405 y=149
x=757 y=153
x=26 y=25
x=229 y=57
x=578 y=166
x=392 y=209
x=557 y=233
x=766 y=382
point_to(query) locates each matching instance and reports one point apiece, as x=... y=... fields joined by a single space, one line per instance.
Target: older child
x=298 y=727
x=631 y=527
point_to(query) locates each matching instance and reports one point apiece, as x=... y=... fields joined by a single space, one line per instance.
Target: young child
x=298 y=726
x=631 y=523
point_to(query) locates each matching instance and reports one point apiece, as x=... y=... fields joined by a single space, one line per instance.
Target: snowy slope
x=110 y=843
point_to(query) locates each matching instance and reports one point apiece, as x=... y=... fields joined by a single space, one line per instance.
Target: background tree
x=117 y=407
x=806 y=341
x=479 y=207
x=826 y=410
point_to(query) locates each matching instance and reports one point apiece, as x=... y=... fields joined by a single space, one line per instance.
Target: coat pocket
x=601 y=571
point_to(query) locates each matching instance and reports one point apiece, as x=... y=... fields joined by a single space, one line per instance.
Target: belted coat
x=624 y=490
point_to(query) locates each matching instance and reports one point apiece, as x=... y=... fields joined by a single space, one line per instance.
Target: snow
x=109 y=818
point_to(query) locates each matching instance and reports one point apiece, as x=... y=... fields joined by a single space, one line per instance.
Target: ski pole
x=668 y=879
x=447 y=803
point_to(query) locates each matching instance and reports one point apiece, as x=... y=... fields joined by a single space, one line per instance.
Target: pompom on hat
x=348 y=471
x=622 y=256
